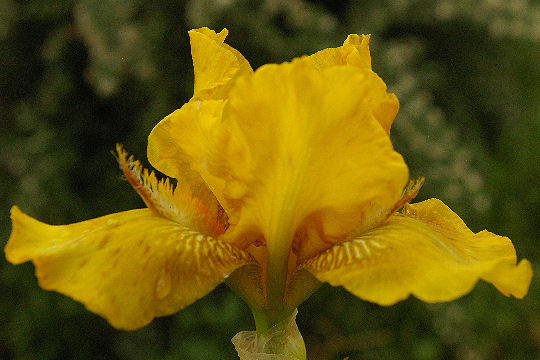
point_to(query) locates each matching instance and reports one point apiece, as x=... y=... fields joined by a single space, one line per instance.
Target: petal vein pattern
x=426 y=251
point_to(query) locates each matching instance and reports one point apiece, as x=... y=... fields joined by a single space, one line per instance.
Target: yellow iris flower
x=286 y=178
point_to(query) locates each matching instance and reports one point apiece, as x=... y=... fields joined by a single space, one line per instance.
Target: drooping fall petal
x=128 y=267
x=214 y=62
x=426 y=251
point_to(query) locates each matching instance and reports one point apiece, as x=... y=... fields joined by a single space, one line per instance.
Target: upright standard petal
x=180 y=144
x=300 y=150
x=355 y=52
x=426 y=251
x=215 y=63
x=128 y=267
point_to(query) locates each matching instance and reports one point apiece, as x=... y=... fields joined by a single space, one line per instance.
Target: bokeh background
x=78 y=76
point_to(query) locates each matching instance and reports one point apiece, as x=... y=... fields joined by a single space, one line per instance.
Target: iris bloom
x=286 y=178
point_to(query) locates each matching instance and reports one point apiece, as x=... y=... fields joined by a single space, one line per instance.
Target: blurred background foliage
x=78 y=76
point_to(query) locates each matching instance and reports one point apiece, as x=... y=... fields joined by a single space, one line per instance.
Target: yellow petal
x=128 y=267
x=301 y=148
x=180 y=144
x=215 y=63
x=355 y=52
x=427 y=251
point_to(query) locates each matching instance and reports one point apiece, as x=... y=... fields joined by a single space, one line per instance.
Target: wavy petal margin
x=355 y=52
x=426 y=251
x=128 y=267
x=215 y=66
x=214 y=62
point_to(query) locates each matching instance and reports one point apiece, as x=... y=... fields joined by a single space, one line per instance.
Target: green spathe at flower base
x=282 y=341
x=286 y=178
